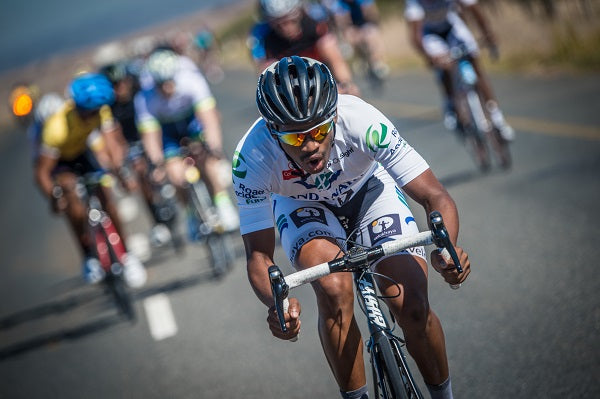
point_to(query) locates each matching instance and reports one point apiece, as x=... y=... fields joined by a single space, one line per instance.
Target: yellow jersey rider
x=80 y=138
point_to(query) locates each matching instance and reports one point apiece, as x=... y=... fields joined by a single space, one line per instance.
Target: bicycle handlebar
x=359 y=259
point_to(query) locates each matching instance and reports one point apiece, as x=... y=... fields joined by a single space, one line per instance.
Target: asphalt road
x=525 y=325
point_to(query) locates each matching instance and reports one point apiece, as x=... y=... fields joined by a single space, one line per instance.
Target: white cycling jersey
x=191 y=93
x=437 y=15
x=365 y=143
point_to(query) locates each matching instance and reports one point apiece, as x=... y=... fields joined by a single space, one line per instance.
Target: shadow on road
x=89 y=328
x=465 y=176
x=58 y=336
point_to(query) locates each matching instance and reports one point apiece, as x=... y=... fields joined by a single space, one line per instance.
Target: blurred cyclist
x=286 y=29
x=180 y=106
x=435 y=26
x=126 y=85
x=358 y=22
x=47 y=106
x=77 y=140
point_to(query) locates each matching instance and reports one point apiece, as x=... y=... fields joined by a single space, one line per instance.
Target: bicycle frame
x=108 y=244
x=471 y=113
x=207 y=226
x=358 y=260
x=381 y=329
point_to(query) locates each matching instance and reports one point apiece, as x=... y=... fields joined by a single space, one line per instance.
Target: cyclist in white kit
x=313 y=162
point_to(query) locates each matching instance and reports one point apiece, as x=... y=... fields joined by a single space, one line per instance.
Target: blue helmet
x=91 y=91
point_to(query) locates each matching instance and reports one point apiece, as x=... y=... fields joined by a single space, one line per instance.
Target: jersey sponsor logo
x=417 y=251
x=322 y=181
x=410 y=219
x=282 y=224
x=385 y=226
x=291 y=173
x=377 y=139
x=251 y=196
x=239 y=165
x=373 y=311
x=399 y=145
x=302 y=216
x=343 y=155
x=306 y=238
x=308 y=196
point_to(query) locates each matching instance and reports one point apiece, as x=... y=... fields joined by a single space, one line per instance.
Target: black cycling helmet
x=295 y=93
x=115 y=72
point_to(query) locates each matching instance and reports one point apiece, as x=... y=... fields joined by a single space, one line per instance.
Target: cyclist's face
x=167 y=88
x=312 y=155
x=288 y=25
x=87 y=113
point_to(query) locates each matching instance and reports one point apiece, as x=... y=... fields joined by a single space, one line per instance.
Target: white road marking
x=160 y=317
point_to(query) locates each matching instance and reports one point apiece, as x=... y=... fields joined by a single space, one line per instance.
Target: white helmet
x=162 y=65
x=48 y=105
x=278 y=8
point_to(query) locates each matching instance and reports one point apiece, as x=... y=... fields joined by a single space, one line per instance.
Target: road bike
x=107 y=243
x=159 y=194
x=164 y=207
x=204 y=224
x=391 y=375
x=473 y=121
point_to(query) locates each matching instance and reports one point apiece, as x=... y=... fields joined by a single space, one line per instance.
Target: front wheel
x=220 y=254
x=121 y=295
x=501 y=149
x=391 y=376
x=387 y=380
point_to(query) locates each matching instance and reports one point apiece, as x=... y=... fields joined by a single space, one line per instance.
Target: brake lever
x=280 y=291
x=441 y=238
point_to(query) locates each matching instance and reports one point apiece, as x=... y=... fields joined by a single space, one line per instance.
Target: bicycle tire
x=121 y=296
x=387 y=379
x=219 y=254
x=477 y=131
x=501 y=149
x=409 y=382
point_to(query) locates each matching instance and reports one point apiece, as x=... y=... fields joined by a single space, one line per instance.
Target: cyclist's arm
x=370 y=12
x=482 y=22
x=415 y=32
x=208 y=114
x=116 y=144
x=427 y=190
x=150 y=130
x=43 y=173
x=328 y=48
x=260 y=247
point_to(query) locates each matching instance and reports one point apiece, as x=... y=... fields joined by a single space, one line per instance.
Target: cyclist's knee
x=415 y=312
x=335 y=297
x=176 y=172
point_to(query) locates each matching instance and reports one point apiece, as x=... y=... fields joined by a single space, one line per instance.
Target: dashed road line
x=160 y=317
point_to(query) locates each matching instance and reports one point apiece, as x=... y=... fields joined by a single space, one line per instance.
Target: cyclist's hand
x=58 y=205
x=159 y=174
x=447 y=268
x=58 y=202
x=292 y=321
x=442 y=61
